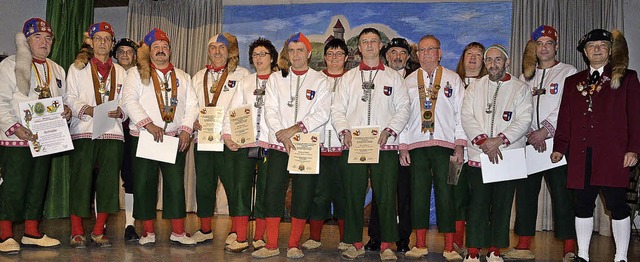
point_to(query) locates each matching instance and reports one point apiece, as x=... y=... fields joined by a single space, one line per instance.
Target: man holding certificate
x=160 y=102
x=90 y=86
x=29 y=75
x=496 y=114
x=370 y=97
x=432 y=136
x=247 y=153
x=545 y=76
x=297 y=100
x=214 y=86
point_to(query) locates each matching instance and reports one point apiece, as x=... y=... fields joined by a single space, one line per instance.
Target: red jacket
x=611 y=130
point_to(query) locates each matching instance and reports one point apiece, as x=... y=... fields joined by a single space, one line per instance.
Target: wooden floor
x=545 y=247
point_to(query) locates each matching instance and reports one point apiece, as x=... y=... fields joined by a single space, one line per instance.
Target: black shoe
x=579 y=259
x=130 y=234
x=402 y=246
x=372 y=245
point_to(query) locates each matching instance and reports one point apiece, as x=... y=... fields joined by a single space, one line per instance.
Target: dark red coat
x=611 y=130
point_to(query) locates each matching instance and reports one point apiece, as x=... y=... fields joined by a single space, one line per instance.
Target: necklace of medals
x=491 y=107
x=214 y=86
x=99 y=85
x=168 y=105
x=259 y=92
x=367 y=86
x=42 y=87
x=298 y=85
x=103 y=82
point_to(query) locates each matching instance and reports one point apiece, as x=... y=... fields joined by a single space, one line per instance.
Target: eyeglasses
x=122 y=52
x=262 y=54
x=428 y=49
x=336 y=54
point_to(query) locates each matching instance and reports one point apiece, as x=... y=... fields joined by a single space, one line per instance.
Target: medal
x=173 y=101
x=368 y=85
x=488 y=110
x=214 y=87
x=38 y=89
x=290 y=103
x=166 y=87
x=101 y=90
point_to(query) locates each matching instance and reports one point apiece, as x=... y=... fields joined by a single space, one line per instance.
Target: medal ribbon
x=220 y=83
x=428 y=115
x=45 y=91
x=167 y=117
x=96 y=84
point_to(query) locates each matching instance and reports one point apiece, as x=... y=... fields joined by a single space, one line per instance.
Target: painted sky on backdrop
x=455 y=24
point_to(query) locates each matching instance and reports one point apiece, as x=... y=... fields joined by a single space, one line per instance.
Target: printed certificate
x=364 y=145
x=305 y=159
x=44 y=118
x=209 y=138
x=241 y=123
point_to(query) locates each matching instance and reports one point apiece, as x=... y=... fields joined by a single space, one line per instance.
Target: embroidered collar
x=364 y=67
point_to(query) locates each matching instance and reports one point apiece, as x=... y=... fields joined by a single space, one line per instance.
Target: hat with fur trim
x=219 y=38
x=100 y=27
x=544 y=30
x=232 y=44
x=155 y=35
x=619 y=53
x=529 y=57
x=35 y=25
x=283 y=59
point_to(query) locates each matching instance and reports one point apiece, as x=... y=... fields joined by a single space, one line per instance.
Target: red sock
x=458 y=238
x=421 y=238
x=205 y=224
x=358 y=245
x=31 y=228
x=341 y=229
x=495 y=251
x=241 y=227
x=177 y=225
x=315 y=229
x=473 y=252
x=524 y=242
x=448 y=242
x=148 y=226
x=273 y=223
x=6 y=229
x=569 y=246
x=297 y=228
x=233 y=226
x=261 y=225
x=76 y=226
x=101 y=219
x=384 y=246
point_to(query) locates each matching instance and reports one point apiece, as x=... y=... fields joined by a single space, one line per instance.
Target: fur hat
x=619 y=58
x=234 y=52
x=144 y=63
x=100 y=27
x=85 y=54
x=530 y=58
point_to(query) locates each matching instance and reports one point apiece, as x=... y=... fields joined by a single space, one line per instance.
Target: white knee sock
x=621 y=234
x=584 y=229
x=128 y=210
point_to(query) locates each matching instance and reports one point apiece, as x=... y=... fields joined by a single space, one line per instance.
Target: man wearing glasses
x=215 y=85
x=433 y=137
x=99 y=81
x=496 y=115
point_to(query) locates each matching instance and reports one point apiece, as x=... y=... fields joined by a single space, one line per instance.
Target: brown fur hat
x=85 y=54
x=529 y=60
x=23 y=64
x=234 y=52
x=144 y=63
x=619 y=58
x=283 y=60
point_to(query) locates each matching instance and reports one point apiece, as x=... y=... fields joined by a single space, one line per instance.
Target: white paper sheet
x=513 y=165
x=163 y=152
x=101 y=121
x=537 y=162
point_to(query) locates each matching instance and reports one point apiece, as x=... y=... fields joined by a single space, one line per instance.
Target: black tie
x=595 y=76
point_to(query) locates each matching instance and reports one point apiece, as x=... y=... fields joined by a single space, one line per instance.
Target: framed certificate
x=305 y=159
x=241 y=123
x=44 y=118
x=364 y=145
x=209 y=138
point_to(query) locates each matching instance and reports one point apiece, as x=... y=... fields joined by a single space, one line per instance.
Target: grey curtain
x=189 y=25
x=572 y=19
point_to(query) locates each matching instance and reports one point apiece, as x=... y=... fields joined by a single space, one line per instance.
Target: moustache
x=161 y=53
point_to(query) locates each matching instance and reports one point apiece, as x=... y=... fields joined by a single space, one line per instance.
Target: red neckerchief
x=506 y=77
x=264 y=77
x=299 y=73
x=103 y=68
x=380 y=66
x=38 y=61
x=326 y=72
x=163 y=71
x=216 y=69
